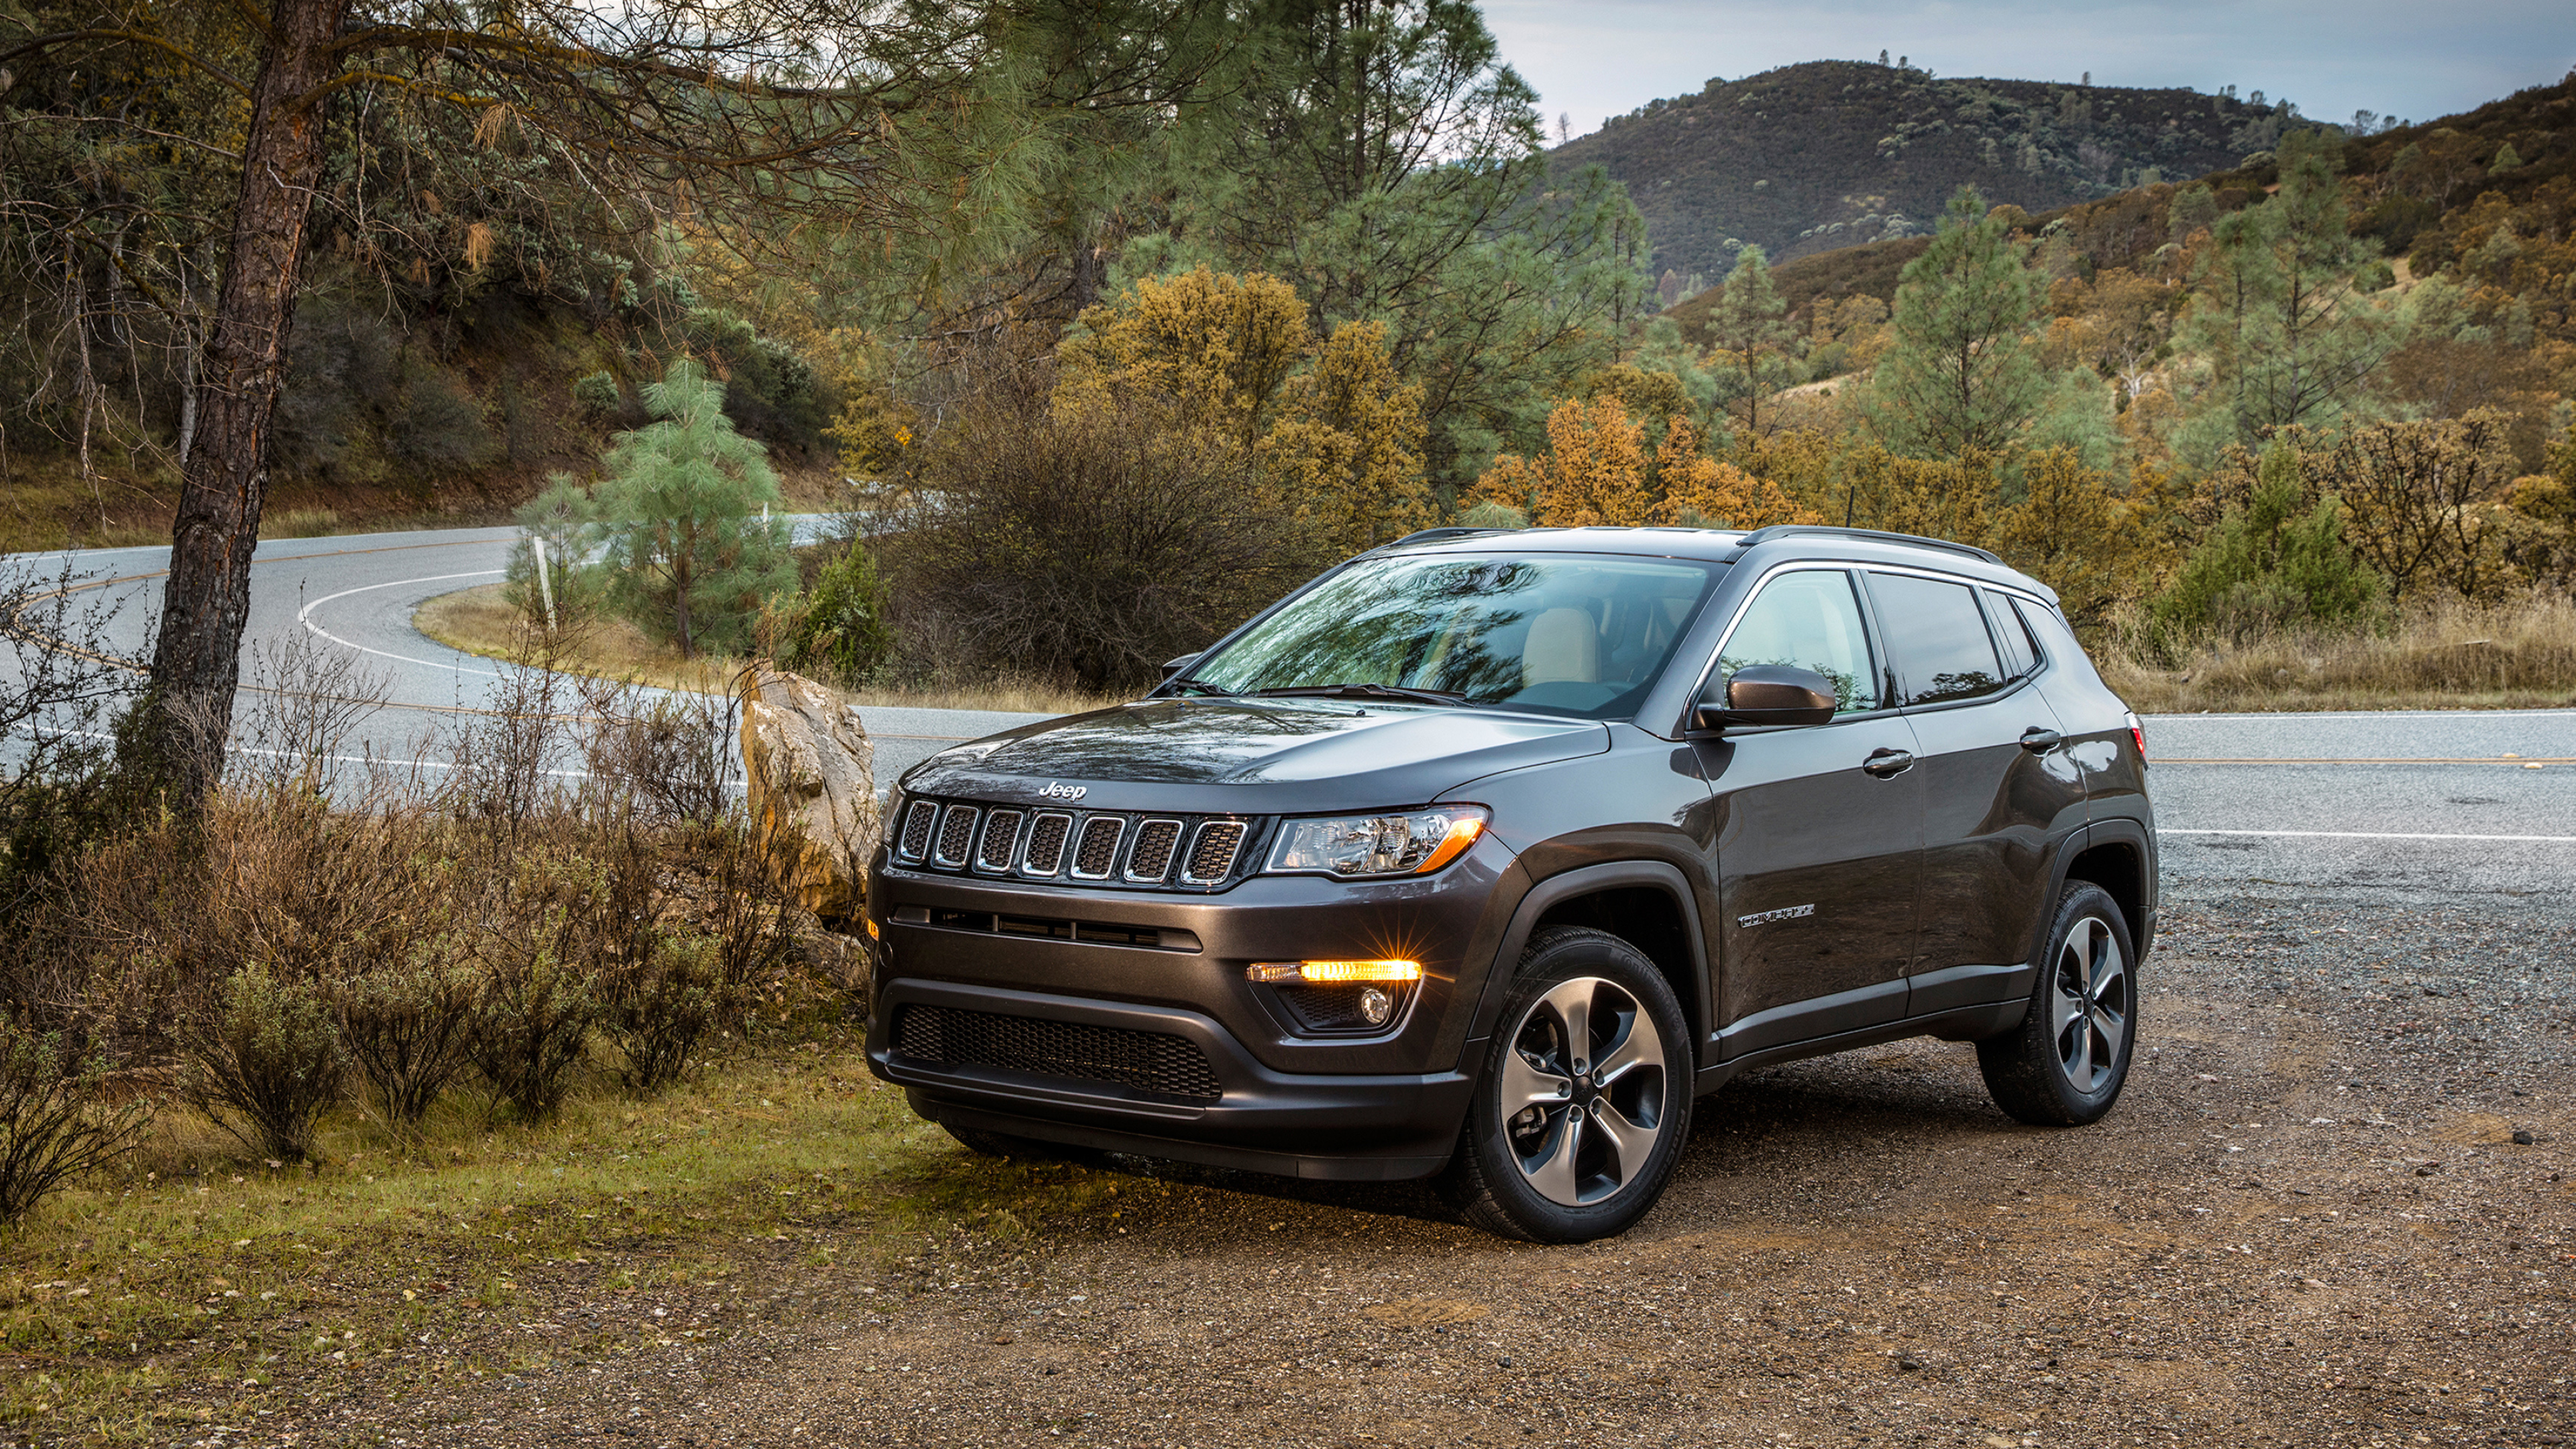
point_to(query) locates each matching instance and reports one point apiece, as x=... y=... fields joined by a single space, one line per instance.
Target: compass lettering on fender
x=1785 y=913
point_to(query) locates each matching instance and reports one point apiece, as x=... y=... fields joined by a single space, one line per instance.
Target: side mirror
x=1766 y=694
x=1175 y=666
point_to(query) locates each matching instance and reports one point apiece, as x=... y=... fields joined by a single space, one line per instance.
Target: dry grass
x=2518 y=656
x=479 y=621
x=202 y=1284
x=299 y=523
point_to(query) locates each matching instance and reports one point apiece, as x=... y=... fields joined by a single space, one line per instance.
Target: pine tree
x=1961 y=374
x=1749 y=326
x=2290 y=337
x=691 y=552
x=2278 y=558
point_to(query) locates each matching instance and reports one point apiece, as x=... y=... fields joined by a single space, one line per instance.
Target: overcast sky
x=2410 y=58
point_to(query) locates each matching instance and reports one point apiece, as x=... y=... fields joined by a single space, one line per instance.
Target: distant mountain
x=1827 y=154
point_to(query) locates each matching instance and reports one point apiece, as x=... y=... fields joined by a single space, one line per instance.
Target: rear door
x=1999 y=787
x=1818 y=830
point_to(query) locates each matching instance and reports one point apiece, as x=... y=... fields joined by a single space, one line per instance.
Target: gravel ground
x=2335 y=1207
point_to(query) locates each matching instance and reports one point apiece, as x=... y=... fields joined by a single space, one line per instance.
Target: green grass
x=207 y=1284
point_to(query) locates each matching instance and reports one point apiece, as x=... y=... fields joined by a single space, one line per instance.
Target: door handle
x=2040 y=740
x=1885 y=763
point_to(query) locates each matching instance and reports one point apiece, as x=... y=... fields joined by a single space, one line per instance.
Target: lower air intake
x=1148 y=1061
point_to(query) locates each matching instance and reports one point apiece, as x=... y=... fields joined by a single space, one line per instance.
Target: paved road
x=357 y=594
x=2422 y=803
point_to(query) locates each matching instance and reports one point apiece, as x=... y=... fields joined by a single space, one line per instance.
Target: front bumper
x=1264 y=1095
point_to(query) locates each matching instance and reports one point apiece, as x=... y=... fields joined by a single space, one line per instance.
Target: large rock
x=809 y=775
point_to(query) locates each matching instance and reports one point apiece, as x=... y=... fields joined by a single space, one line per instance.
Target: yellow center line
x=2385 y=760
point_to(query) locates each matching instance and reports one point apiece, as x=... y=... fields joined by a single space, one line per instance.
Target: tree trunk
x=196 y=664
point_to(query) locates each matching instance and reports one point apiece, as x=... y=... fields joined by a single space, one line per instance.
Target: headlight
x=1415 y=842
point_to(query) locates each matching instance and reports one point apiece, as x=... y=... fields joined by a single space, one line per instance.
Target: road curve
x=2428 y=803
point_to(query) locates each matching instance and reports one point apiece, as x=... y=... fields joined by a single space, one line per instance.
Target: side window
x=1936 y=638
x=2021 y=656
x=1809 y=620
x=2056 y=639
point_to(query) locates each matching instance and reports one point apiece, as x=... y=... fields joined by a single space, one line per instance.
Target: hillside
x=1812 y=157
x=2488 y=195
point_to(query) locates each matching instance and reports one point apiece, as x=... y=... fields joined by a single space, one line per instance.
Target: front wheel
x=1584 y=1100
x=2064 y=1065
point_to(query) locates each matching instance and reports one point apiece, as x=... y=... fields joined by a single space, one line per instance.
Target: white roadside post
x=545 y=586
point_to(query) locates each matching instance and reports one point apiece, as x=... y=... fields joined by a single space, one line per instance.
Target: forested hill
x=1831 y=153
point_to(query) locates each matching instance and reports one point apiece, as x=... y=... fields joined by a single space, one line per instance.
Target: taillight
x=2138 y=734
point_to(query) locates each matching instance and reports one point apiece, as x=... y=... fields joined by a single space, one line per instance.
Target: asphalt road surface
x=2419 y=804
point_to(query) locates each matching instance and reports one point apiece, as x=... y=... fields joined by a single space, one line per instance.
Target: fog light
x=1326 y=973
x=1375 y=1006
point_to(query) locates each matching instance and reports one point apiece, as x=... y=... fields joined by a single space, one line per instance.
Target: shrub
x=406 y=1025
x=54 y=1123
x=597 y=393
x=846 y=630
x=662 y=1004
x=559 y=518
x=1093 y=540
x=533 y=1016
x=2275 y=560
x=265 y=1049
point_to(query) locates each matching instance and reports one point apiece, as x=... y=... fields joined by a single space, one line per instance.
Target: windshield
x=1562 y=633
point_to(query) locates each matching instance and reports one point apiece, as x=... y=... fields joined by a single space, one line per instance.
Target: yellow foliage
x=1211 y=348
x=1346 y=453
x=2073 y=533
x=1701 y=492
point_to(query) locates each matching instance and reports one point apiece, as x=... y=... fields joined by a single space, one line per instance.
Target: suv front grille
x=1212 y=858
x=1110 y=848
x=1148 y=1061
x=1099 y=848
x=1151 y=858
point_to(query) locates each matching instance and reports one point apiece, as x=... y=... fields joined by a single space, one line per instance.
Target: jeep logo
x=1054 y=791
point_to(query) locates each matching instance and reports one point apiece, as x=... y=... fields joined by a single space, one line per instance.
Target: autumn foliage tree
x=1599 y=470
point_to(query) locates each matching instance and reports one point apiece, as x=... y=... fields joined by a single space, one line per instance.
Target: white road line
x=304 y=616
x=2281 y=716
x=2374 y=835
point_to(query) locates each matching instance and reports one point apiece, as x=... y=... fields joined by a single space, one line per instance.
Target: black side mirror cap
x=1175 y=666
x=1766 y=694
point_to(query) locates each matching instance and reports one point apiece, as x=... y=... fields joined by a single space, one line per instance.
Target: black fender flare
x=1582 y=881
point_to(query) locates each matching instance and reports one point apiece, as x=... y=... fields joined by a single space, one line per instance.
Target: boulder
x=809 y=778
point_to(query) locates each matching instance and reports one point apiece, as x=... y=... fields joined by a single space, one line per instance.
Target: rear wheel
x=2064 y=1065
x=1585 y=1096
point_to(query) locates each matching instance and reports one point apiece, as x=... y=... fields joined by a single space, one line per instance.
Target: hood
x=1271 y=757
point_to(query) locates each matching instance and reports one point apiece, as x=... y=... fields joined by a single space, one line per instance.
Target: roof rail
x=1436 y=535
x=1789 y=530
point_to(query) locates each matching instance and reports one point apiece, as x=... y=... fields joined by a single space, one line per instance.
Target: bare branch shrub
x=668 y=755
x=55 y=1123
x=1095 y=539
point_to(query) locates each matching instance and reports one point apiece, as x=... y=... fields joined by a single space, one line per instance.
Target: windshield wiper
x=1366 y=691
x=1200 y=685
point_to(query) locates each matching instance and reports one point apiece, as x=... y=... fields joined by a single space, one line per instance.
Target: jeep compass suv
x=1486 y=853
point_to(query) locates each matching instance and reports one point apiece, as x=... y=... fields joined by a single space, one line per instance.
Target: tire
x=2051 y=1071
x=1532 y=1163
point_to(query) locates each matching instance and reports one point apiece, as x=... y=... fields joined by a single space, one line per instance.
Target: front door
x=1818 y=832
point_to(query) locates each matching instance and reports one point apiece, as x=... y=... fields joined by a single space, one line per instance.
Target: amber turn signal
x=1324 y=973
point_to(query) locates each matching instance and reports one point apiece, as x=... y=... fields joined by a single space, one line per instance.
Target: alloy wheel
x=1583 y=1091
x=2088 y=1005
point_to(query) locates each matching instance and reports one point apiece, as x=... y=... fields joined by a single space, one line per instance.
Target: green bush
x=846 y=630
x=2280 y=558
x=406 y=1025
x=597 y=393
x=265 y=1051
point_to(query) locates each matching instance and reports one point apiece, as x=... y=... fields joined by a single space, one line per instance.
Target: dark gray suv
x=1486 y=853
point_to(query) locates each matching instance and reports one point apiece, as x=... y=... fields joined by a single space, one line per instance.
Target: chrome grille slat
x=1095 y=854
x=1150 y=858
x=1001 y=841
x=1212 y=854
x=1047 y=835
x=956 y=835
